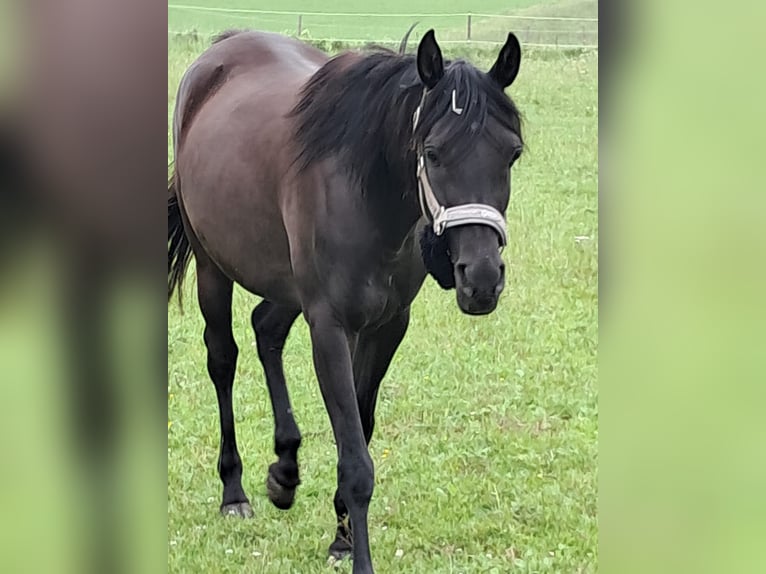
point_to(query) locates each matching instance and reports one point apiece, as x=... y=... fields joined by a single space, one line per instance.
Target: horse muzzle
x=478 y=284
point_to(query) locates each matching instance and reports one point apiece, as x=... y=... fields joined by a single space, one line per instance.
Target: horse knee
x=356 y=478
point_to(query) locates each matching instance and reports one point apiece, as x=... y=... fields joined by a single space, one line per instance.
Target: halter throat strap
x=441 y=217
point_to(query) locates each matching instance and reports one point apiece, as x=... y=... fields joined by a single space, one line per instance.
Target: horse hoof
x=340 y=550
x=241 y=509
x=280 y=495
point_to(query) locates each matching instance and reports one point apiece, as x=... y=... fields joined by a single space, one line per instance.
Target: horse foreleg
x=332 y=361
x=372 y=358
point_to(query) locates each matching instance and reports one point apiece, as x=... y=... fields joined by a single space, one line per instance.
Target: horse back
x=232 y=55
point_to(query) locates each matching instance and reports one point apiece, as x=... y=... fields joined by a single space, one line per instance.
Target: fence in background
x=350 y=27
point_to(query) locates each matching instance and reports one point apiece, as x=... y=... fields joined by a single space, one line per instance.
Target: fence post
x=468 y=27
x=300 y=24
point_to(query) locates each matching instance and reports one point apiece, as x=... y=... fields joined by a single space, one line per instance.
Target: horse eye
x=515 y=156
x=432 y=157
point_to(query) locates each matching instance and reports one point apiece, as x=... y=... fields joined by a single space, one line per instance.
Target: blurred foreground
x=82 y=173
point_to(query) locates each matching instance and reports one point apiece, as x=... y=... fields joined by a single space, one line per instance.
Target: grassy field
x=380 y=27
x=391 y=22
x=486 y=439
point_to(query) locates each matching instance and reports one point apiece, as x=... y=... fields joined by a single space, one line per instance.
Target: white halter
x=465 y=214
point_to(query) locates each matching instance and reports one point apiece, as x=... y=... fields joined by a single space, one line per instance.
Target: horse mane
x=358 y=107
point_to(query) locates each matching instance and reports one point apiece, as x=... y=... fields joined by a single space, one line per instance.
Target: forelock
x=485 y=109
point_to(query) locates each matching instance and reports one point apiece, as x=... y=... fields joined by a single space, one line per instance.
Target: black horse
x=329 y=187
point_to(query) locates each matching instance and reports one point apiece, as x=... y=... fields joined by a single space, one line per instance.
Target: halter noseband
x=445 y=217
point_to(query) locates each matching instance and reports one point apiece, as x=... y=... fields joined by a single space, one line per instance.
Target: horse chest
x=378 y=300
x=382 y=295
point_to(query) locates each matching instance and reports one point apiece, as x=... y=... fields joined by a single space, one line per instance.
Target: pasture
x=388 y=20
x=485 y=446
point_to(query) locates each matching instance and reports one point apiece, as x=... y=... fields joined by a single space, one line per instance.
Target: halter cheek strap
x=443 y=217
x=465 y=214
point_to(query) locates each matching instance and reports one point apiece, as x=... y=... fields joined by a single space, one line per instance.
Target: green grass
x=486 y=439
x=386 y=27
x=556 y=32
x=396 y=19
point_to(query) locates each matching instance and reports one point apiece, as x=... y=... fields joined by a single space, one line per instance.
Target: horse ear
x=506 y=67
x=430 y=62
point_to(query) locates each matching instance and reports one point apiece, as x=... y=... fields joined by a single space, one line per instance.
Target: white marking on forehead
x=455 y=109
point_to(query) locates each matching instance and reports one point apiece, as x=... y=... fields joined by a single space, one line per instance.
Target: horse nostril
x=465 y=288
x=500 y=284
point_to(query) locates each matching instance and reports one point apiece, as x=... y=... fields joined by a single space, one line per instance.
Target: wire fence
x=358 y=27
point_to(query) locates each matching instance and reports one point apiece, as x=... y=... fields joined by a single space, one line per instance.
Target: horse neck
x=392 y=191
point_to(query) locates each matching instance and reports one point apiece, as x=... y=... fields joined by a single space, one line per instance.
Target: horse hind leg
x=215 y=291
x=272 y=324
